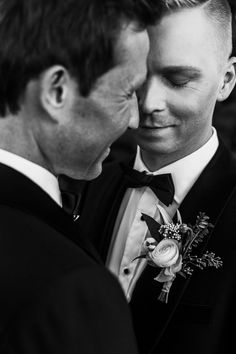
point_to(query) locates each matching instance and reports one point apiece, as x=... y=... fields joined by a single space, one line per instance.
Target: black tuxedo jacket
x=56 y=297
x=199 y=317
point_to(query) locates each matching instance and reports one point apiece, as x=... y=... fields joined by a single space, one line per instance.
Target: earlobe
x=228 y=81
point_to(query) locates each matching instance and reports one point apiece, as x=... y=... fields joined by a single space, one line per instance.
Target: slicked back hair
x=78 y=34
x=218 y=11
x=215 y=5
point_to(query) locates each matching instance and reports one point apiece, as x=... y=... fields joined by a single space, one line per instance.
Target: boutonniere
x=171 y=248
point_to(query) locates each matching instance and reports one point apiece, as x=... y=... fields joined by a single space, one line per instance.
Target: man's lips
x=156 y=126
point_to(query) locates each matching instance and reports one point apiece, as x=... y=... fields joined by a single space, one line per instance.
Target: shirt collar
x=39 y=175
x=185 y=171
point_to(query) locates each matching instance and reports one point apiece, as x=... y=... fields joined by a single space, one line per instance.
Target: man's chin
x=96 y=168
x=94 y=172
x=160 y=148
x=90 y=174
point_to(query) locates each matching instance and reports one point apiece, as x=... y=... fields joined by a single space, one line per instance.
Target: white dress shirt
x=130 y=231
x=39 y=175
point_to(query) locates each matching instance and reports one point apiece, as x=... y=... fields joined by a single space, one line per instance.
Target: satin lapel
x=102 y=201
x=20 y=192
x=209 y=194
x=213 y=187
x=117 y=190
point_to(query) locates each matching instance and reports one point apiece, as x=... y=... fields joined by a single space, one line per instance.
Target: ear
x=229 y=80
x=55 y=90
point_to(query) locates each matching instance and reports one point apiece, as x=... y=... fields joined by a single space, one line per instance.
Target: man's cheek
x=128 y=111
x=134 y=105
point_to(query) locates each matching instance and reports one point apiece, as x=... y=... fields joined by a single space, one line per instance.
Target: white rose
x=168 y=274
x=165 y=254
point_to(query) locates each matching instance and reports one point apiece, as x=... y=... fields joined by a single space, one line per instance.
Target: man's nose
x=152 y=96
x=134 y=112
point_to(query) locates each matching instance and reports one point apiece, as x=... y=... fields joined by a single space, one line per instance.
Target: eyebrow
x=182 y=69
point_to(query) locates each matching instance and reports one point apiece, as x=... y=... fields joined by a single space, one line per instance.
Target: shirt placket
x=136 y=236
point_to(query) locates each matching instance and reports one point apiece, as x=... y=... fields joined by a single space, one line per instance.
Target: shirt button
x=126 y=271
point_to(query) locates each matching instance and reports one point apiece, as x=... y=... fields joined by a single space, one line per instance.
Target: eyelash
x=179 y=85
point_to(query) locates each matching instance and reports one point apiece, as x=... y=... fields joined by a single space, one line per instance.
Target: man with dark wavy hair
x=68 y=73
x=190 y=68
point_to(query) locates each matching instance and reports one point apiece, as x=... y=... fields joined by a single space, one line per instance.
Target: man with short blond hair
x=190 y=68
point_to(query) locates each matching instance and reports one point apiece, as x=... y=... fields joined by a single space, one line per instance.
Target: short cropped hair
x=219 y=11
x=217 y=6
x=78 y=34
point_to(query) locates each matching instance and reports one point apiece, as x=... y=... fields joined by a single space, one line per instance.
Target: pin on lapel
x=76 y=217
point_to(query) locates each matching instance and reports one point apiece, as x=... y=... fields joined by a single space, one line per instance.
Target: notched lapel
x=117 y=191
x=212 y=189
x=101 y=206
x=209 y=194
x=21 y=193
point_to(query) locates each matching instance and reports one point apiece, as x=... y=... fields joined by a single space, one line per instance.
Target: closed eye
x=179 y=83
x=180 y=77
x=177 y=80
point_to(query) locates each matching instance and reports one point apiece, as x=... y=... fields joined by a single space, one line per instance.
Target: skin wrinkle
x=103 y=107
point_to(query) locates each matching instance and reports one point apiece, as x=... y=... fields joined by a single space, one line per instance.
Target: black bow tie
x=71 y=192
x=161 y=185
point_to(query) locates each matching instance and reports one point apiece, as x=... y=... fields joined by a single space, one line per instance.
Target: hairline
x=223 y=40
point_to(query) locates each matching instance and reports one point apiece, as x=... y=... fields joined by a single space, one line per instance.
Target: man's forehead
x=184 y=39
x=130 y=38
x=193 y=24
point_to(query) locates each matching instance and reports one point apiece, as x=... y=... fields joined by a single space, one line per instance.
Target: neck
x=18 y=137
x=155 y=160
